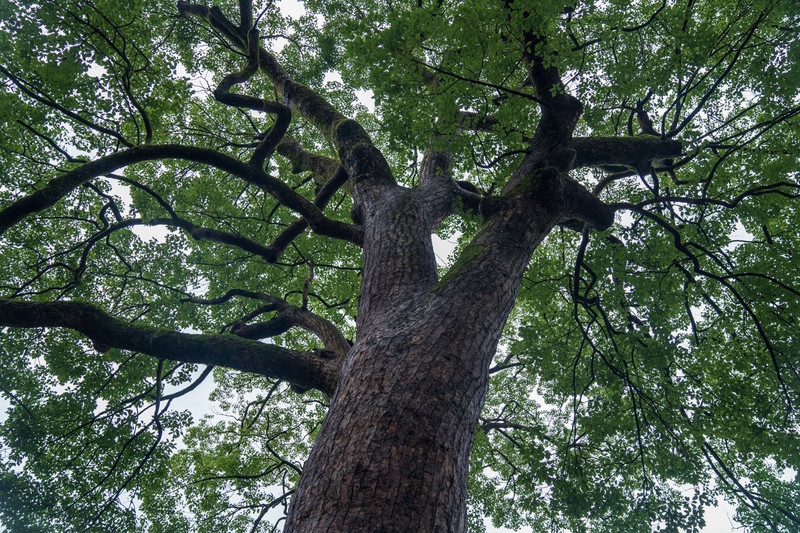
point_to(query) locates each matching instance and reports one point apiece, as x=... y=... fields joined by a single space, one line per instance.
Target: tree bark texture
x=393 y=452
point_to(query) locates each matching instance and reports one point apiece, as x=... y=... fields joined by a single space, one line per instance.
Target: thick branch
x=638 y=152
x=59 y=187
x=288 y=316
x=560 y=114
x=560 y=110
x=635 y=152
x=435 y=167
x=302 y=160
x=306 y=370
x=292 y=316
x=440 y=190
x=585 y=207
x=505 y=242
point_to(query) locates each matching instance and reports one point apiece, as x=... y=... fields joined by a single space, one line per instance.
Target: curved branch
x=59 y=187
x=318 y=222
x=235 y=292
x=190 y=387
x=303 y=369
x=212 y=235
x=289 y=316
x=302 y=160
x=222 y=93
x=362 y=160
x=269 y=253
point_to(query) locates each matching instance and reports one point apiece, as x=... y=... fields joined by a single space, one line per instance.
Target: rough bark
x=638 y=152
x=392 y=454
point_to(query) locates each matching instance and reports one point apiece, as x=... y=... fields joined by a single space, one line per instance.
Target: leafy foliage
x=645 y=372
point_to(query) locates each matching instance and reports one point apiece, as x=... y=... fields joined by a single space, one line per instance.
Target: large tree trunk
x=393 y=451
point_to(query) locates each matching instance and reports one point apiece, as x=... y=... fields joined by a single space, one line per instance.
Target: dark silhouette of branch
x=45 y=99
x=59 y=187
x=303 y=369
x=288 y=316
x=222 y=93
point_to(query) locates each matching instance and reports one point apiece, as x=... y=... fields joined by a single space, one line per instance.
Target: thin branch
x=43 y=98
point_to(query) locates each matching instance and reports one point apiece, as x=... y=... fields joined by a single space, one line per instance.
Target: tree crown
x=177 y=187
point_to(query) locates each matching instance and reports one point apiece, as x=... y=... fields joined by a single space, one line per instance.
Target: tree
x=612 y=346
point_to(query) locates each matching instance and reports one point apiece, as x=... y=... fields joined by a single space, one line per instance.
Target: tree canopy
x=183 y=202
